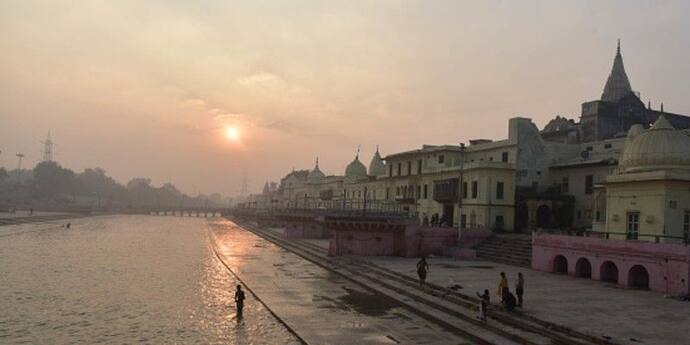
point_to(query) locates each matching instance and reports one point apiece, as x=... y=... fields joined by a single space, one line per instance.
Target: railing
x=626 y=235
x=345 y=208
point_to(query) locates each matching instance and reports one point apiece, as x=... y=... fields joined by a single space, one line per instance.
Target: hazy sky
x=147 y=88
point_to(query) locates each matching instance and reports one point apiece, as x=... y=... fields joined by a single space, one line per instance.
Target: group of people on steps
x=508 y=300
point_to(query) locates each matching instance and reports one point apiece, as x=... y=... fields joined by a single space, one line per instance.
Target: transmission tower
x=19 y=167
x=47 y=149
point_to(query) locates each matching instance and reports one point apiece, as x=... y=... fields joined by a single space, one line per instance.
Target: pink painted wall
x=414 y=241
x=304 y=230
x=421 y=240
x=367 y=243
x=472 y=237
x=668 y=265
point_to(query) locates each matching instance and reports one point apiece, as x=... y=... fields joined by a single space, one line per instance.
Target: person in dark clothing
x=484 y=301
x=509 y=301
x=239 y=300
x=520 y=289
x=422 y=269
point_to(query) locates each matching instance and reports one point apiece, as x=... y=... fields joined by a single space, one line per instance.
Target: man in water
x=239 y=300
x=422 y=269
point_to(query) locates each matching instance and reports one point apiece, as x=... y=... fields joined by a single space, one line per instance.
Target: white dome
x=660 y=147
x=376 y=167
x=316 y=174
x=356 y=169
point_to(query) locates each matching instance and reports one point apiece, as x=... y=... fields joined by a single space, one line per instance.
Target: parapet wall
x=667 y=266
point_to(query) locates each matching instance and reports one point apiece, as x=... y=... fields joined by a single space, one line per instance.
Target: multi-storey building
x=550 y=178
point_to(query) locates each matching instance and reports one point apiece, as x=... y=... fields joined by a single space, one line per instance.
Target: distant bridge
x=189 y=211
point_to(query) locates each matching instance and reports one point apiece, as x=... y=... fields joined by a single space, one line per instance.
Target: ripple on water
x=123 y=279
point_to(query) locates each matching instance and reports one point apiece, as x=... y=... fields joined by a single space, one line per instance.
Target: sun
x=232 y=133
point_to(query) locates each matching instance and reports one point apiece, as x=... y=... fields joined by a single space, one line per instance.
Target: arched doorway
x=583 y=269
x=560 y=264
x=543 y=216
x=609 y=272
x=638 y=277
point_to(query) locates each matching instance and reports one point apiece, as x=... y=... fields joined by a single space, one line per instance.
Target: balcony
x=446 y=191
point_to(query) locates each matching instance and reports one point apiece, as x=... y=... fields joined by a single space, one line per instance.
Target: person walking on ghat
x=520 y=289
x=508 y=300
x=484 y=301
x=502 y=285
x=239 y=300
x=422 y=269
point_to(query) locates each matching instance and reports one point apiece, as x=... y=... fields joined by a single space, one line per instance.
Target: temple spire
x=617 y=85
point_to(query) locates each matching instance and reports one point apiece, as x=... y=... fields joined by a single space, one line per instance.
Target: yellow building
x=648 y=196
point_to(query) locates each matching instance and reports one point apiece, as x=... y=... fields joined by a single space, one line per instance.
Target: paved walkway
x=320 y=306
x=593 y=307
x=627 y=316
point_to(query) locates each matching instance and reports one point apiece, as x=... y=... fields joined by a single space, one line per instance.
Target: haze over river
x=122 y=280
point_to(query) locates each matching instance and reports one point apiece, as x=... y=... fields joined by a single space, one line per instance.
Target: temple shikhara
x=605 y=196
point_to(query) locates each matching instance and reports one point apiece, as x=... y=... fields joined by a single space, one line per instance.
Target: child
x=484 y=301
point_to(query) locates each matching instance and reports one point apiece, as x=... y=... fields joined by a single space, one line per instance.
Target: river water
x=123 y=280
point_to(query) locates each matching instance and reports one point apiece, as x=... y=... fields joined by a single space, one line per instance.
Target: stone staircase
x=507 y=249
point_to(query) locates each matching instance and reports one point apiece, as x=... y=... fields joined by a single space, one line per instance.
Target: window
x=399 y=169
x=589 y=184
x=589 y=148
x=463 y=221
x=426 y=191
x=579 y=214
x=564 y=184
x=474 y=189
x=409 y=167
x=441 y=159
x=504 y=157
x=499 y=190
x=390 y=171
x=607 y=146
x=419 y=167
x=598 y=215
x=419 y=192
x=464 y=190
x=397 y=191
x=388 y=193
x=633 y=225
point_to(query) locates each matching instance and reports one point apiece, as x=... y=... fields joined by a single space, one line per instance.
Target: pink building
x=635 y=264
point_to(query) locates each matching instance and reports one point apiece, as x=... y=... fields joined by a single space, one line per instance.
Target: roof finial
x=377 y=148
x=649 y=104
x=358 y=147
x=317 y=161
x=618 y=50
x=662 y=107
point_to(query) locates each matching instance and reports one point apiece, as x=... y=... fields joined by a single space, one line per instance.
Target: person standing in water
x=239 y=300
x=502 y=285
x=422 y=269
x=520 y=289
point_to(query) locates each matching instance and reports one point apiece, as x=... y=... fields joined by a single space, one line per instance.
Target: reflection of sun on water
x=232 y=133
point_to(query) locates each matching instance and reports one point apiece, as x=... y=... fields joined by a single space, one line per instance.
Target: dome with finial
x=316 y=174
x=376 y=167
x=658 y=148
x=356 y=169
